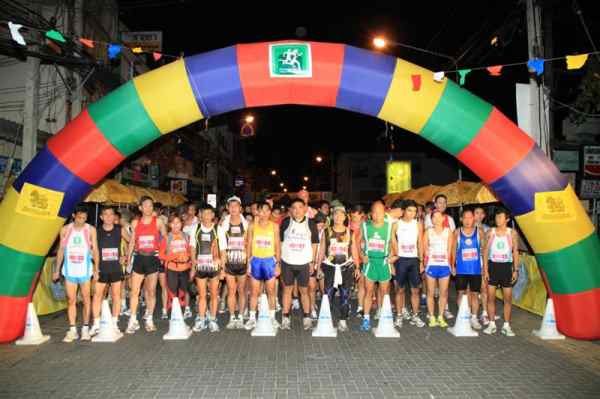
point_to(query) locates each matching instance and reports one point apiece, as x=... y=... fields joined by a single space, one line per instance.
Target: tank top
x=78 y=254
x=377 y=239
x=437 y=250
x=407 y=235
x=500 y=249
x=263 y=240
x=147 y=236
x=236 y=245
x=468 y=253
x=296 y=248
x=338 y=247
x=109 y=245
x=204 y=242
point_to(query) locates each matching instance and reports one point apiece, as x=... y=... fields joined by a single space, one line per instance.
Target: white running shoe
x=448 y=314
x=307 y=323
x=475 y=323
x=149 y=324
x=232 y=324
x=406 y=314
x=95 y=329
x=286 y=323
x=164 y=315
x=359 y=311
x=415 y=320
x=133 y=326
x=506 y=330
x=485 y=320
x=295 y=304
x=398 y=322
x=213 y=327
x=491 y=329
x=199 y=325
x=342 y=326
x=250 y=324
x=187 y=313
x=239 y=323
x=85 y=333
x=71 y=336
x=275 y=323
x=313 y=314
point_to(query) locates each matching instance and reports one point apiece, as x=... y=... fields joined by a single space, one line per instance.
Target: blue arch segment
x=215 y=81
x=535 y=173
x=45 y=170
x=366 y=78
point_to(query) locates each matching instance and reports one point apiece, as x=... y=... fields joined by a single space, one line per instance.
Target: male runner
x=480 y=216
x=189 y=228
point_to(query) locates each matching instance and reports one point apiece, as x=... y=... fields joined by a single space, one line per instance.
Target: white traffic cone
x=548 y=329
x=33 y=333
x=177 y=327
x=385 y=326
x=324 y=323
x=264 y=324
x=462 y=326
x=107 y=332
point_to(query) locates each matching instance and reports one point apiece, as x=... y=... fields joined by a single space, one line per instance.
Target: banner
x=148 y=40
x=591 y=161
x=399 y=176
x=590 y=189
x=39 y=201
x=566 y=161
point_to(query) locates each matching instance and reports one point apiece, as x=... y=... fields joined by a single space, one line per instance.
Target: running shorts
x=471 y=281
x=262 y=269
x=378 y=270
x=146 y=265
x=110 y=277
x=438 y=271
x=407 y=270
x=289 y=273
x=500 y=274
x=205 y=274
x=236 y=269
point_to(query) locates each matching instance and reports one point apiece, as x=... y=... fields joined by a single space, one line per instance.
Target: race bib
x=235 y=243
x=110 y=254
x=376 y=245
x=336 y=249
x=76 y=257
x=178 y=246
x=263 y=242
x=146 y=242
x=236 y=230
x=500 y=258
x=206 y=237
x=469 y=254
x=297 y=246
x=438 y=258
x=407 y=248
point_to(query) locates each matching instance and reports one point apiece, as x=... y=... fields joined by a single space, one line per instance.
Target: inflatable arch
x=309 y=73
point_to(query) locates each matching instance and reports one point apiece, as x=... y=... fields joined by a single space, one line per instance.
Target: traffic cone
x=385 y=326
x=325 y=324
x=462 y=326
x=177 y=327
x=264 y=324
x=108 y=332
x=548 y=329
x=33 y=333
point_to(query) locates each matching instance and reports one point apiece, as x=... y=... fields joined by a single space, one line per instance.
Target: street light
x=319 y=158
x=249 y=118
x=285 y=190
x=273 y=172
x=281 y=185
x=303 y=187
x=305 y=178
x=379 y=42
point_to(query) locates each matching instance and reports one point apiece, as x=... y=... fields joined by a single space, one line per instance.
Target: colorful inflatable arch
x=309 y=73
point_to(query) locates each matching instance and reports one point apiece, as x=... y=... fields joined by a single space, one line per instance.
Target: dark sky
x=458 y=28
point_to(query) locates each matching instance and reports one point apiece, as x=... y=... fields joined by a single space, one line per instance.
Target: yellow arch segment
x=557 y=221
x=28 y=234
x=410 y=109
x=168 y=97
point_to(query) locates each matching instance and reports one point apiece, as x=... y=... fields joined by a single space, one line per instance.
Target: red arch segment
x=84 y=150
x=568 y=321
x=260 y=89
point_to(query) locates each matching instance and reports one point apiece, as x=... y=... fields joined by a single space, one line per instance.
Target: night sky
x=460 y=29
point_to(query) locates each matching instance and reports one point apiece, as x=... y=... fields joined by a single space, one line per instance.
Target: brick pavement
x=423 y=363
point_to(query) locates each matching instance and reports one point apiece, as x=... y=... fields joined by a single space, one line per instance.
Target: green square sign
x=290 y=60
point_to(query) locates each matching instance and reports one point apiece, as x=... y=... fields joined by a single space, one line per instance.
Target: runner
x=189 y=229
x=316 y=278
x=305 y=196
x=501 y=269
x=108 y=270
x=338 y=249
x=396 y=211
x=299 y=240
x=357 y=217
x=409 y=266
x=377 y=242
x=233 y=234
x=78 y=247
x=143 y=254
x=480 y=216
x=264 y=254
x=437 y=243
x=205 y=252
x=177 y=257
x=125 y=222
x=467 y=256
x=325 y=210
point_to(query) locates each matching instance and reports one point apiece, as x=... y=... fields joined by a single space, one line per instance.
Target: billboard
x=149 y=41
x=399 y=176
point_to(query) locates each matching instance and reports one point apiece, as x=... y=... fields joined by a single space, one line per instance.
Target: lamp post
x=332 y=172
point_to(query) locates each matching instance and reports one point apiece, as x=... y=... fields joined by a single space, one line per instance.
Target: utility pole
x=31 y=108
x=535 y=43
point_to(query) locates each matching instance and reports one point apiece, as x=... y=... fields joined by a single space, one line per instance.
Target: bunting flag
x=416 y=81
x=495 y=70
x=576 y=61
x=113 y=50
x=156 y=56
x=463 y=75
x=87 y=42
x=55 y=35
x=15 y=34
x=439 y=76
x=536 y=65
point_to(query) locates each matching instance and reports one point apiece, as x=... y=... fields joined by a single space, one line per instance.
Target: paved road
x=423 y=363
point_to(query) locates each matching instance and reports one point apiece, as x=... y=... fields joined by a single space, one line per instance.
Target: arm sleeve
x=314 y=232
x=284 y=225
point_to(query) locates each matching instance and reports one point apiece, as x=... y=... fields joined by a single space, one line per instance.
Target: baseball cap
x=234 y=198
x=339 y=209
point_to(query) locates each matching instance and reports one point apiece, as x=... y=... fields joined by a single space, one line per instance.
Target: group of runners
x=294 y=257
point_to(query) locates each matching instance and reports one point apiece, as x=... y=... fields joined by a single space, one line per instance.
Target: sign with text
x=39 y=202
x=591 y=160
x=566 y=161
x=590 y=189
x=211 y=199
x=149 y=41
x=554 y=207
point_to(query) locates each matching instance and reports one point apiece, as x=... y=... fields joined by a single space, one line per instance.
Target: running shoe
x=247 y=314
x=187 y=313
x=149 y=325
x=398 y=322
x=475 y=323
x=275 y=323
x=405 y=314
x=232 y=323
x=95 y=329
x=342 y=326
x=239 y=323
x=441 y=322
x=307 y=323
x=491 y=329
x=213 y=327
x=133 y=326
x=199 y=325
x=366 y=325
x=286 y=323
x=295 y=304
x=507 y=331
x=433 y=322
x=85 y=333
x=250 y=324
x=485 y=320
x=71 y=336
x=415 y=320
x=448 y=314
x=359 y=312
x=164 y=315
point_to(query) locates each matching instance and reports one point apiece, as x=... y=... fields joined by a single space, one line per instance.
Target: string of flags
x=113 y=49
